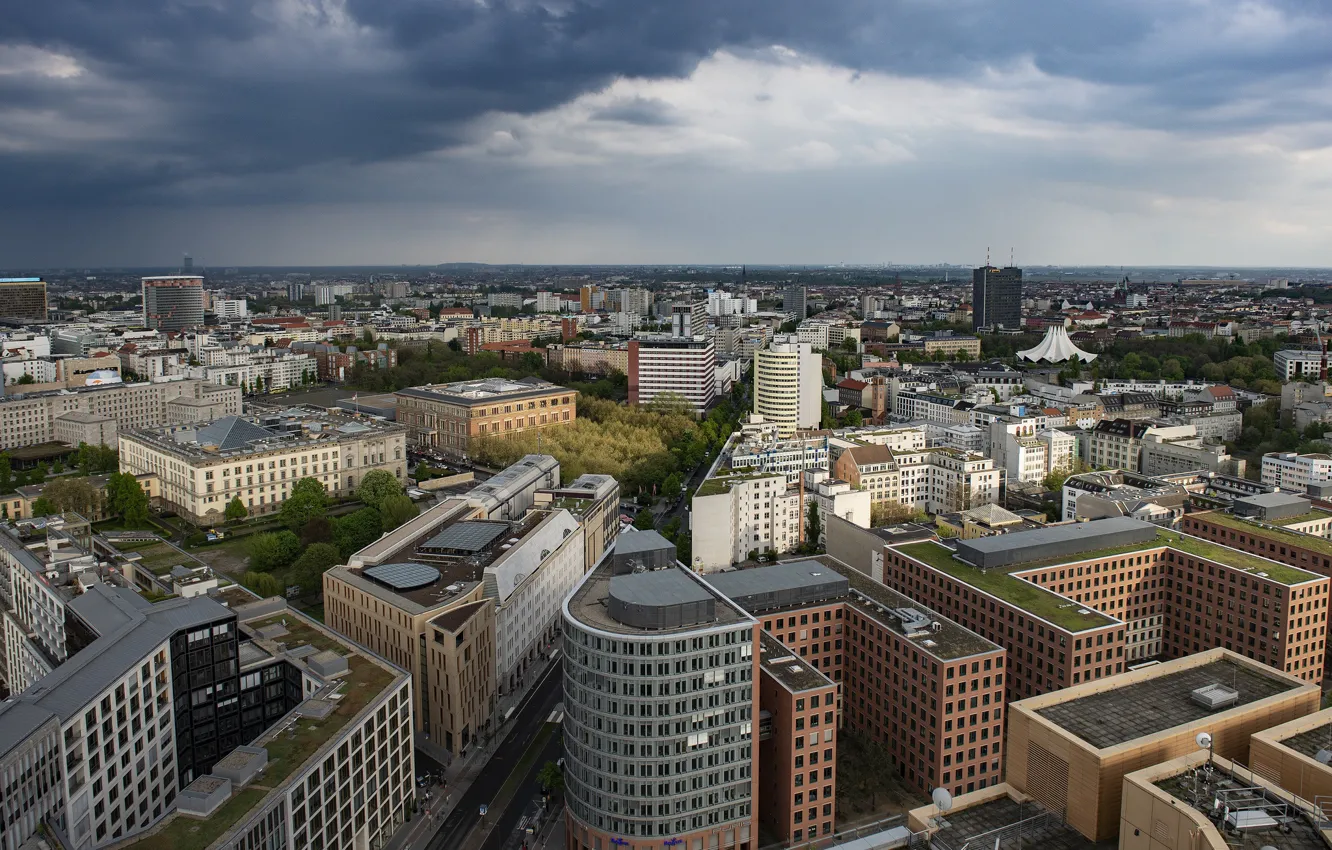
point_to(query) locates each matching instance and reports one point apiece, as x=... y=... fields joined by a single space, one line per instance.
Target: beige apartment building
x=96 y=414
x=449 y=417
x=204 y=466
x=591 y=358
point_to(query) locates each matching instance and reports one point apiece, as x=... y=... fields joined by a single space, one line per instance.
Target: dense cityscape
x=751 y=556
x=665 y=425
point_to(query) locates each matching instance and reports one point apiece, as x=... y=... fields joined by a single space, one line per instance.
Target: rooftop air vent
x=912 y=621
x=1214 y=697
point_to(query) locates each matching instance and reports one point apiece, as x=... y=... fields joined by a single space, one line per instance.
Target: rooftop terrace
x=1112 y=717
x=589 y=604
x=1201 y=789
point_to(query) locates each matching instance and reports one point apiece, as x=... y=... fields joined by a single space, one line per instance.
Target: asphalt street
x=453 y=832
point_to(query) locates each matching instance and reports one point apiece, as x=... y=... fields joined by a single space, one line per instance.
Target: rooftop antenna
x=1011 y=262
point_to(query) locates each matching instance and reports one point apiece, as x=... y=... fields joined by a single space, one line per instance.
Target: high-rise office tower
x=794 y=300
x=23 y=298
x=173 y=302
x=659 y=694
x=788 y=384
x=996 y=298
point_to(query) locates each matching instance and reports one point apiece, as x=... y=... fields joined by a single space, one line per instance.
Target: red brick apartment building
x=925 y=688
x=1077 y=603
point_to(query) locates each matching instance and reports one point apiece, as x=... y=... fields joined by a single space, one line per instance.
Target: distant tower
x=996 y=297
x=187 y=267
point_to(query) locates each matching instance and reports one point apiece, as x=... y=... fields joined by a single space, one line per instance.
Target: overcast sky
x=709 y=131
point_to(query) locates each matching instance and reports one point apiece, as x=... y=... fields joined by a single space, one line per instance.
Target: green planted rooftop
x=719 y=484
x=1312 y=542
x=289 y=746
x=1005 y=583
x=1020 y=593
x=1309 y=516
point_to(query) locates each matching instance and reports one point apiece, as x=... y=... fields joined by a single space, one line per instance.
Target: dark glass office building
x=996 y=298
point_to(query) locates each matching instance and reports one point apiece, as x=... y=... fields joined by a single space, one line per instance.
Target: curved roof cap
x=660 y=599
x=1056 y=347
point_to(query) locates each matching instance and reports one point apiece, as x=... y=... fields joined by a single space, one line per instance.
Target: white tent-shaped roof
x=1056 y=348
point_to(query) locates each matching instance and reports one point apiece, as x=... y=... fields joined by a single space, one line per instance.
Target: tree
x=263 y=584
x=309 y=569
x=308 y=500
x=356 y=531
x=6 y=473
x=125 y=498
x=396 y=510
x=273 y=551
x=815 y=530
x=378 y=485
x=853 y=419
x=236 y=510
x=851 y=344
x=643 y=522
x=891 y=513
x=44 y=507
x=317 y=530
x=551 y=778
x=74 y=494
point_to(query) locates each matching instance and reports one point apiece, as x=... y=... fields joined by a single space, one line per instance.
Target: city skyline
x=348 y=132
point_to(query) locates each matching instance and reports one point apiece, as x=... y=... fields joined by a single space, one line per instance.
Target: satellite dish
x=943 y=801
x=1204 y=740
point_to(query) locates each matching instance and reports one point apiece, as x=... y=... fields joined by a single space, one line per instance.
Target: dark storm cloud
x=190 y=98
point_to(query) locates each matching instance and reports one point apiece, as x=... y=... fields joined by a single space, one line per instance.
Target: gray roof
x=792 y=583
x=107 y=608
x=72 y=685
x=231 y=432
x=1274 y=500
x=1058 y=540
x=1112 y=717
x=640 y=541
x=657 y=588
x=18 y=720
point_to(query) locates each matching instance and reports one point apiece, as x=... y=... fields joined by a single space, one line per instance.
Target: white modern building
x=1294 y=473
x=1298 y=363
x=788 y=385
x=835 y=498
x=528 y=581
x=734 y=514
x=683 y=367
x=231 y=308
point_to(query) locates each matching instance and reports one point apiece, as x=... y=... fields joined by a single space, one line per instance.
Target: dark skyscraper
x=795 y=301
x=996 y=298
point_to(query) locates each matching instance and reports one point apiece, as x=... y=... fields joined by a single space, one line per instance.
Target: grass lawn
x=157 y=558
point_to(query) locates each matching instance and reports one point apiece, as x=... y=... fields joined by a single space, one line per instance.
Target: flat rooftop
x=483 y=391
x=1320 y=545
x=1023 y=594
x=979 y=826
x=951 y=642
x=1199 y=791
x=1112 y=717
x=239 y=436
x=780 y=585
x=589 y=604
x=726 y=479
x=1310 y=741
x=788 y=668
